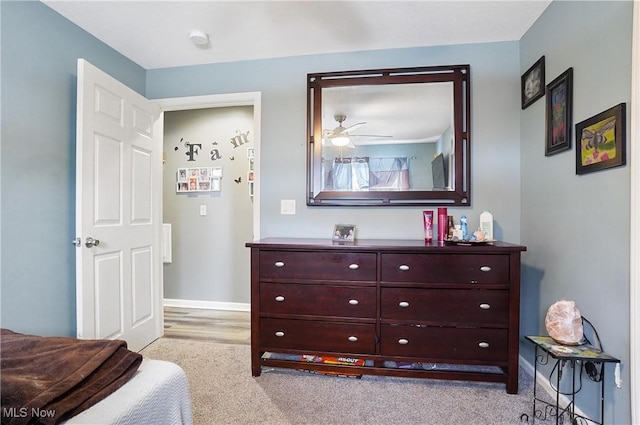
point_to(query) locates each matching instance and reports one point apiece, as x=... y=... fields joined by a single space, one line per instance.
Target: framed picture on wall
x=601 y=141
x=559 y=94
x=200 y=179
x=182 y=174
x=532 y=83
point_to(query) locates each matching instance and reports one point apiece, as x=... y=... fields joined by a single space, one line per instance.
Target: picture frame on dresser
x=344 y=232
x=601 y=141
x=532 y=83
x=559 y=108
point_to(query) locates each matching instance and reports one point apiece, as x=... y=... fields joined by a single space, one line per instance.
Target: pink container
x=442 y=224
x=428 y=225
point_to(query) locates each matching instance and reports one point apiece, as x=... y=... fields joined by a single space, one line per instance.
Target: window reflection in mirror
x=389 y=136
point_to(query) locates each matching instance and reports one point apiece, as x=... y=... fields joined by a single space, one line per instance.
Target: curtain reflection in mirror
x=364 y=173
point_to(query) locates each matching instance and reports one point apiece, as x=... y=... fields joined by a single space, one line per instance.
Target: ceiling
x=155 y=34
x=395 y=112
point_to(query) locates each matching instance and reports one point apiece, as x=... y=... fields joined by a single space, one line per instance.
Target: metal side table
x=548 y=350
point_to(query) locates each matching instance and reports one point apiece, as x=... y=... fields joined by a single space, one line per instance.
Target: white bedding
x=157 y=394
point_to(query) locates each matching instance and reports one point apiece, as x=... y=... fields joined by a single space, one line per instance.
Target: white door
x=118 y=211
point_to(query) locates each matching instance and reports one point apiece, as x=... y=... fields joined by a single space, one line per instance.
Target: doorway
x=216 y=136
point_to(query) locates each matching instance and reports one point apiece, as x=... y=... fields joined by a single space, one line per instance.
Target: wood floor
x=230 y=327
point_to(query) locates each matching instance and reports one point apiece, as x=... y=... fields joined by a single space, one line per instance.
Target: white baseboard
x=207 y=305
x=543 y=383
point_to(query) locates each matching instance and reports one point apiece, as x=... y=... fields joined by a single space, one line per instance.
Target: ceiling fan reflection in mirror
x=341 y=136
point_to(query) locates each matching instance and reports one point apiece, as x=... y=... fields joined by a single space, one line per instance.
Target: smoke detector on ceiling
x=199 y=38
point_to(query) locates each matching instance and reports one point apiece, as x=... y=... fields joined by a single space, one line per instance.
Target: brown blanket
x=45 y=380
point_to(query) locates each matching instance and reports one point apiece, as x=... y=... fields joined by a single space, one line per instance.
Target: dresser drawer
x=325 y=300
x=321 y=265
x=445 y=268
x=317 y=336
x=474 y=306
x=445 y=343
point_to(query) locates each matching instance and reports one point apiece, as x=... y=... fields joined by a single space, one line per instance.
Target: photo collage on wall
x=200 y=179
x=250 y=172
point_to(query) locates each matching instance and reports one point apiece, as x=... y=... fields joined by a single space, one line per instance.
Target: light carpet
x=224 y=392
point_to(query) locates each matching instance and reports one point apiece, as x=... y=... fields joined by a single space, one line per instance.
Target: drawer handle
x=279 y=298
x=485 y=268
x=353 y=302
x=279 y=334
x=353 y=338
x=485 y=306
x=403 y=267
x=483 y=345
x=403 y=304
x=354 y=266
x=474 y=281
x=403 y=341
x=279 y=264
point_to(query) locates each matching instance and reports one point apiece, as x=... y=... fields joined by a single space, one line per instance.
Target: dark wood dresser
x=405 y=307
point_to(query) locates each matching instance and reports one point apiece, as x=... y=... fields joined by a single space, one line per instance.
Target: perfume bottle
x=442 y=224
x=463 y=227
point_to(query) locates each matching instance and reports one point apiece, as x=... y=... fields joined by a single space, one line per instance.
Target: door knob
x=89 y=242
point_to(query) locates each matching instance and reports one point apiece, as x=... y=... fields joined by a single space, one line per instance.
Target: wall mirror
x=389 y=137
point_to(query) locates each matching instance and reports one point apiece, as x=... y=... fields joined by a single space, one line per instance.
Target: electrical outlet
x=203 y=210
x=592 y=371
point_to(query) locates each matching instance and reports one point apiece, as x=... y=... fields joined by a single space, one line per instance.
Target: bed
x=156 y=394
x=60 y=380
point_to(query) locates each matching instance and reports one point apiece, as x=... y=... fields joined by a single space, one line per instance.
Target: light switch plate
x=287 y=206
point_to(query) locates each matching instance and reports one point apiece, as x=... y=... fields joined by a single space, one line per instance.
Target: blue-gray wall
x=495 y=126
x=39 y=53
x=574 y=227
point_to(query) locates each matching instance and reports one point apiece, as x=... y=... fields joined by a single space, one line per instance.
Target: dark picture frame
x=532 y=84
x=559 y=98
x=601 y=141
